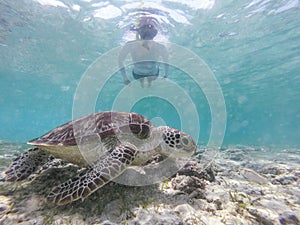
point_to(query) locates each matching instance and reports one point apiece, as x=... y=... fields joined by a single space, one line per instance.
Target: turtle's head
x=176 y=143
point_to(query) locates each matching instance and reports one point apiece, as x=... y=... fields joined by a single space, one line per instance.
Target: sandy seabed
x=239 y=185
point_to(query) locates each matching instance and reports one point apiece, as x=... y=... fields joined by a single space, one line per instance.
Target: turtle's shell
x=91 y=130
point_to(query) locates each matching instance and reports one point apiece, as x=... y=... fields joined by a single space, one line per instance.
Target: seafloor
x=239 y=185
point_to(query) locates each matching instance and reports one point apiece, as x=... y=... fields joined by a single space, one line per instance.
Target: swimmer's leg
x=150 y=79
x=142 y=81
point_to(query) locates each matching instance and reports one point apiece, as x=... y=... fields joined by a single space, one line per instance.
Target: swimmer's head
x=147 y=28
x=147 y=32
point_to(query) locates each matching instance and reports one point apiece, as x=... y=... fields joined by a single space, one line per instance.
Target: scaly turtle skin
x=106 y=143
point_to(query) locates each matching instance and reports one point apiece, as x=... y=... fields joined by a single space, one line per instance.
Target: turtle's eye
x=185 y=141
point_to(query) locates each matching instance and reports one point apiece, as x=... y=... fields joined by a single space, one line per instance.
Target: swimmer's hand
x=126 y=82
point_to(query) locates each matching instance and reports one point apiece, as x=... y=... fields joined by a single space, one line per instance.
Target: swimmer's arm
x=122 y=56
x=165 y=59
x=166 y=70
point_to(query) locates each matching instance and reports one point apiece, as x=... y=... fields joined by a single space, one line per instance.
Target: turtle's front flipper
x=25 y=164
x=109 y=166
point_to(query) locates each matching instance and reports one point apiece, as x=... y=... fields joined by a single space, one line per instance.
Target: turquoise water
x=251 y=47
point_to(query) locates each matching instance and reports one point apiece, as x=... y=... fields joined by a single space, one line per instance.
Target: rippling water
x=252 y=48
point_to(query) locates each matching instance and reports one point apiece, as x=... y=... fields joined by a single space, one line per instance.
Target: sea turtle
x=106 y=143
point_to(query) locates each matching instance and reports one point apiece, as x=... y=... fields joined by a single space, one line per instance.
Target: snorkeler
x=145 y=53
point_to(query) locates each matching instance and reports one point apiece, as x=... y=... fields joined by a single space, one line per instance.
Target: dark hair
x=147 y=28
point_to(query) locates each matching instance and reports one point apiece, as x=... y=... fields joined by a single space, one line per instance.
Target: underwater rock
x=107 y=222
x=273 y=170
x=218 y=196
x=264 y=216
x=190 y=185
x=285 y=179
x=112 y=211
x=5 y=204
x=195 y=169
x=193 y=178
x=288 y=217
x=146 y=217
x=253 y=176
x=188 y=214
